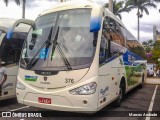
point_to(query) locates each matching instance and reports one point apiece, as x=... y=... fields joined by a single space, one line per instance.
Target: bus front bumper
x=80 y=104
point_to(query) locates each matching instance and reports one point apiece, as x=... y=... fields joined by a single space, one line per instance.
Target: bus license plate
x=44 y=100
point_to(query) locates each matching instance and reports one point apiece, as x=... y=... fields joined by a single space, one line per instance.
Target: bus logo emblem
x=45 y=78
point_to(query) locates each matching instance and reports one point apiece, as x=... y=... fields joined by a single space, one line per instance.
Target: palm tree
x=18 y=3
x=118 y=8
x=140 y=5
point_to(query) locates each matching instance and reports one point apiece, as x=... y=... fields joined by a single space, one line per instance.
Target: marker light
x=20 y=86
x=87 y=89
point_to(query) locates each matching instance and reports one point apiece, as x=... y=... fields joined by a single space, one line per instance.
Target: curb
x=152 y=83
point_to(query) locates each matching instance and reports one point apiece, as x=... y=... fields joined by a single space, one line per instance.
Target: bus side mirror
x=11 y=30
x=9 y=33
x=95 y=24
x=96 y=19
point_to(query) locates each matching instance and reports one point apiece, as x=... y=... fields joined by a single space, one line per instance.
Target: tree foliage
x=141 y=6
x=118 y=8
x=156 y=53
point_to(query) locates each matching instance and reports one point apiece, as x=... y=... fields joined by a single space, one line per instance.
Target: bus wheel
x=142 y=84
x=120 y=97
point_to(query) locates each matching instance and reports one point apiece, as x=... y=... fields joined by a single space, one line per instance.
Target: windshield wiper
x=55 y=43
x=47 y=44
x=64 y=58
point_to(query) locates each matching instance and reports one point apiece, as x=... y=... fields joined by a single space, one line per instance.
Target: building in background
x=156 y=34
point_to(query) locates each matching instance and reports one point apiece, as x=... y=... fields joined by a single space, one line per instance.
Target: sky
x=35 y=7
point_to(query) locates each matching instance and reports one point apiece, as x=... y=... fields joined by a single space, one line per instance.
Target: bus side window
x=107 y=33
x=11 y=50
x=116 y=48
x=103 y=50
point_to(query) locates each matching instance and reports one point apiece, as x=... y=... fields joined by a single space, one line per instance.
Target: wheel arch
x=123 y=84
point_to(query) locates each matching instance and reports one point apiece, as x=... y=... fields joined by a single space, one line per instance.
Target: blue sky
x=34 y=7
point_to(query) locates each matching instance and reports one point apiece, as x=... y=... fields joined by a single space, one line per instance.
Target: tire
x=118 y=101
x=142 y=84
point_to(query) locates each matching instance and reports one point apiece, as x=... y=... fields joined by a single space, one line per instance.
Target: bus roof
x=79 y=4
x=71 y=5
x=6 y=23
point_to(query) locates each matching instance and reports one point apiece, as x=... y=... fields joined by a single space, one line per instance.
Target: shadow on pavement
x=7 y=102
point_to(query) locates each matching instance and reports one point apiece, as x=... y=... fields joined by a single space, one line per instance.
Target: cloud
x=33 y=8
x=36 y=3
x=11 y=11
x=39 y=7
x=146 y=23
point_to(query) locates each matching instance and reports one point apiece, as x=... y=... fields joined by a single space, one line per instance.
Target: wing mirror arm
x=24 y=21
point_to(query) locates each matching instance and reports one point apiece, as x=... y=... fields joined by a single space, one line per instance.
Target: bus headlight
x=20 y=86
x=87 y=89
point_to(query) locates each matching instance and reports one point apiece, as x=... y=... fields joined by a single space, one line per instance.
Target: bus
x=76 y=59
x=10 y=50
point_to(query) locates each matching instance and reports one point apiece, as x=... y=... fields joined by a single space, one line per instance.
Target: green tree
x=148 y=45
x=145 y=43
x=150 y=42
x=18 y=3
x=141 y=6
x=118 y=8
x=156 y=53
x=148 y=49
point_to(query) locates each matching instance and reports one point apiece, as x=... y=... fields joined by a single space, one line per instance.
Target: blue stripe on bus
x=128 y=58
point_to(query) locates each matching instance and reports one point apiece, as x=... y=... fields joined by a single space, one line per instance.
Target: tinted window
x=11 y=49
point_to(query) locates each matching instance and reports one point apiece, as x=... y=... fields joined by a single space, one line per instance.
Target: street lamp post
x=62 y=0
x=111 y=5
x=23 y=8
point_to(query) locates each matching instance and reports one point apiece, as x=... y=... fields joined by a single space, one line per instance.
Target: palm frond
x=17 y=2
x=156 y=0
x=124 y=10
x=149 y=5
x=132 y=7
x=142 y=8
x=106 y=5
x=119 y=15
x=6 y=2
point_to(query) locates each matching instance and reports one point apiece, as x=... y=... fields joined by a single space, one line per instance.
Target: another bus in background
x=10 y=50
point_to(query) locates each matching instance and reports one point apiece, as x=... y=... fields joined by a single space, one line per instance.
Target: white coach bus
x=76 y=59
x=10 y=50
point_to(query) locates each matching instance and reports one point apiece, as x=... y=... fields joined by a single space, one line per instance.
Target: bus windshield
x=65 y=32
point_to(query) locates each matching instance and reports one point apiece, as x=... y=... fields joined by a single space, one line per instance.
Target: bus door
x=104 y=82
x=117 y=48
x=111 y=64
x=10 y=51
